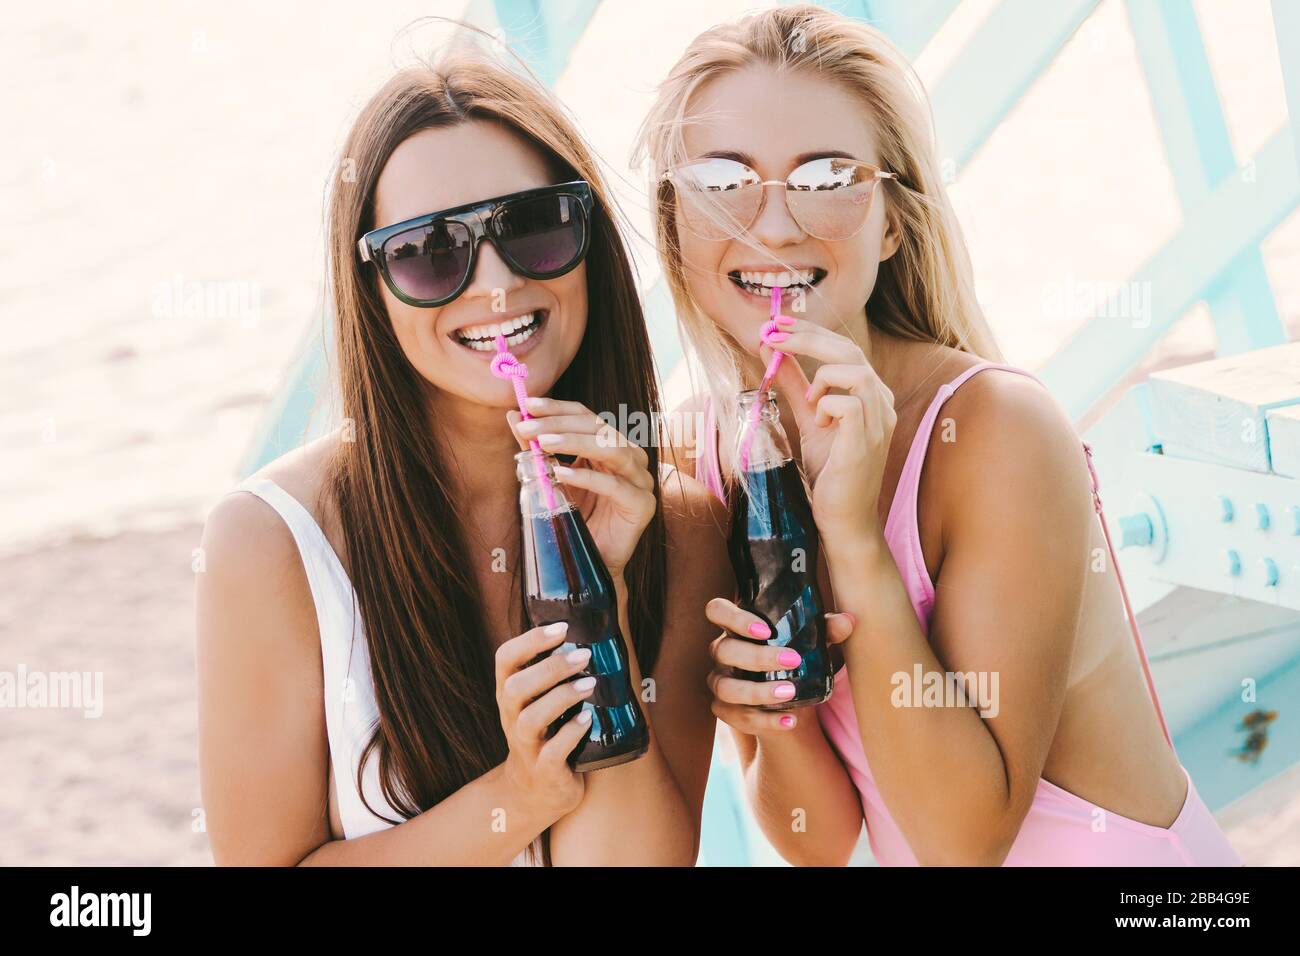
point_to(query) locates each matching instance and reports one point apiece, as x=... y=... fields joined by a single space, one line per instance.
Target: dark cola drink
x=565 y=579
x=774 y=548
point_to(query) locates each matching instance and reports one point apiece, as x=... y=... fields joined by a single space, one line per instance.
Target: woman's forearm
x=801 y=794
x=633 y=814
x=916 y=753
x=484 y=823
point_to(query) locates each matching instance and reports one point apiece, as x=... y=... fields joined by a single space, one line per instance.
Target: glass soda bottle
x=774 y=547
x=565 y=579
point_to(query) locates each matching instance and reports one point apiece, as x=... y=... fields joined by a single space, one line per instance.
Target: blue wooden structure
x=1214 y=257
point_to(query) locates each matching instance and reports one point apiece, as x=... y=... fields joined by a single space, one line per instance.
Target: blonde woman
x=957 y=510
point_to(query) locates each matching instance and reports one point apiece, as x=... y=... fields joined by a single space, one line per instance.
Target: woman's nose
x=775 y=227
x=492 y=276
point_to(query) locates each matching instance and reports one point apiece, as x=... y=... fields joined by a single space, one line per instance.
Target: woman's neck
x=479 y=448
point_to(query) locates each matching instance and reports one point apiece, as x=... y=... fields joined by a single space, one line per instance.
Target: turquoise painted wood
x=543 y=34
x=1286 y=27
x=909 y=24
x=1235 y=217
x=1199 y=152
x=1010 y=49
x=1210 y=750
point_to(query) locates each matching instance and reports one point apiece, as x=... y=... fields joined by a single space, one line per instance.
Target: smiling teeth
x=781 y=280
x=482 y=338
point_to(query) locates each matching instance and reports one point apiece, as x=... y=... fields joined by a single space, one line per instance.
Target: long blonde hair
x=925 y=291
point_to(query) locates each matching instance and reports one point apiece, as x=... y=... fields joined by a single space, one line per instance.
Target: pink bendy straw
x=770 y=328
x=505 y=365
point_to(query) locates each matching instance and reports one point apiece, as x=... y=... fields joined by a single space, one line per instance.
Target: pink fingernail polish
x=760 y=630
x=807 y=395
x=787 y=721
x=785 y=320
x=783 y=691
x=778 y=336
x=789 y=658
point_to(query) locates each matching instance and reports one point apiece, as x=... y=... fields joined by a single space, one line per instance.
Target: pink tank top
x=1060 y=829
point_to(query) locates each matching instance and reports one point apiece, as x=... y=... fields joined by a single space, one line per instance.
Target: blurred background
x=161 y=293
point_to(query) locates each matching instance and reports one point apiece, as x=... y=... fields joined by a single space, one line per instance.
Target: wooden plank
x=1284 y=441
x=1215 y=411
x=909 y=24
x=1199 y=152
x=1286 y=28
x=1236 y=216
x=1013 y=46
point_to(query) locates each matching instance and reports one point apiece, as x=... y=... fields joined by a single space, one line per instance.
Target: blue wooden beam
x=1199 y=151
x=1286 y=27
x=543 y=34
x=908 y=23
x=1000 y=62
x=1237 y=214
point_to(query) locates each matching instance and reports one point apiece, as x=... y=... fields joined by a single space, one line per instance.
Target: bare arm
x=263 y=749
x=1015 y=519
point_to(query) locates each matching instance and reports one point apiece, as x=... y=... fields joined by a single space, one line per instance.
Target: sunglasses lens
x=830 y=198
x=544 y=235
x=719 y=198
x=429 y=263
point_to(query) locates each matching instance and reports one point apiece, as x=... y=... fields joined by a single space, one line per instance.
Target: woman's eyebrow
x=824 y=154
x=729 y=154
x=798 y=160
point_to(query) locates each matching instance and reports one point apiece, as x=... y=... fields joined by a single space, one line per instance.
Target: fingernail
x=559 y=627
x=807 y=395
x=760 y=630
x=787 y=721
x=785 y=320
x=563 y=472
x=584 y=684
x=529 y=426
x=789 y=658
x=549 y=439
x=853 y=621
x=584 y=717
x=580 y=656
x=535 y=401
x=778 y=336
x=783 y=691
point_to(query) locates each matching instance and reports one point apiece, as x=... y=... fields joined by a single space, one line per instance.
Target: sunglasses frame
x=478 y=218
x=762 y=185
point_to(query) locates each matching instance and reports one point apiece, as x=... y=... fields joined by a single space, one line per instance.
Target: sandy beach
x=184 y=154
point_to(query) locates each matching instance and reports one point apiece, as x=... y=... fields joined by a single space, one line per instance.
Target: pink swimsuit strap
x=709 y=473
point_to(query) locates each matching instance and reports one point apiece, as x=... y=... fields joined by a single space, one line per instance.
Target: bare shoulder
x=1003 y=439
x=303 y=473
x=696 y=525
x=247 y=547
x=692 y=513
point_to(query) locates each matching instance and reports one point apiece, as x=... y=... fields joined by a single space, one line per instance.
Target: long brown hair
x=431 y=662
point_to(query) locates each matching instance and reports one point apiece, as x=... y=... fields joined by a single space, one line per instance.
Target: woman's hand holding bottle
x=534 y=689
x=609 y=481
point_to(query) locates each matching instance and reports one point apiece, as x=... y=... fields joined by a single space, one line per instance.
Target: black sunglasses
x=427 y=261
